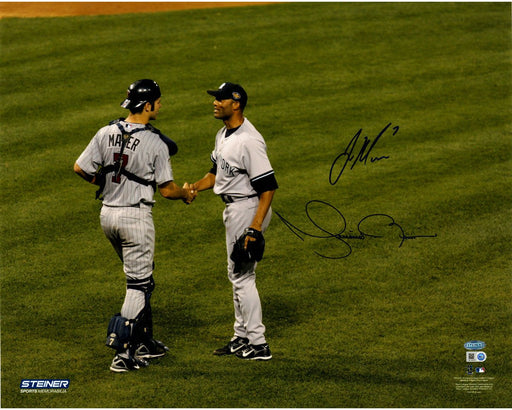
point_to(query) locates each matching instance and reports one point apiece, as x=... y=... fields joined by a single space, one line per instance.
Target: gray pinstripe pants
x=132 y=234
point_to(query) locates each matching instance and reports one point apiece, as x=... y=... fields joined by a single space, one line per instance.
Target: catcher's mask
x=140 y=93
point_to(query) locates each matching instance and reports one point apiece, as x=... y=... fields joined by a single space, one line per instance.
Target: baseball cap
x=230 y=91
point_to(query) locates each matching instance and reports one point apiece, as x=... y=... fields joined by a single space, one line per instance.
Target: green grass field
x=383 y=327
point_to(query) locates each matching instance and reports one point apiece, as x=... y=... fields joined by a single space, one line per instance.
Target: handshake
x=191 y=193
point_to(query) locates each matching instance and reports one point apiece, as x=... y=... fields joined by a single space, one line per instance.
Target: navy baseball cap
x=230 y=91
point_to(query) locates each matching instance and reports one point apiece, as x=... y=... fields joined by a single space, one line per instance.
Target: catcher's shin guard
x=143 y=323
x=119 y=333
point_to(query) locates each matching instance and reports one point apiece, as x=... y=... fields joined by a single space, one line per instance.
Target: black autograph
x=362 y=156
x=371 y=226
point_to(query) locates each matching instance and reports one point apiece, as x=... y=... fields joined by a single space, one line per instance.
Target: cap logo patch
x=236 y=96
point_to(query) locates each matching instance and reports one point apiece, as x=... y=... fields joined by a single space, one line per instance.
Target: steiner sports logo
x=44 y=384
x=474 y=345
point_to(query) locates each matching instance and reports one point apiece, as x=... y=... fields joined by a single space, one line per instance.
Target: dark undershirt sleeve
x=265 y=183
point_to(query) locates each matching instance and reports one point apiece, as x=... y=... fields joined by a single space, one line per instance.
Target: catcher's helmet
x=140 y=93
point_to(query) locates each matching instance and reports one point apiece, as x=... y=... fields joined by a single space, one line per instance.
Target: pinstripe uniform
x=242 y=171
x=126 y=215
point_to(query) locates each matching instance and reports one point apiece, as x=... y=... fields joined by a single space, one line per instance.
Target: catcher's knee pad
x=146 y=285
x=119 y=332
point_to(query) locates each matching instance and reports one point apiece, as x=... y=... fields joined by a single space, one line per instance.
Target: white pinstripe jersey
x=241 y=158
x=145 y=155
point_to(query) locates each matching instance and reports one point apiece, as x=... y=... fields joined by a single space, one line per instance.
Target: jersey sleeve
x=90 y=159
x=213 y=169
x=163 y=169
x=257 y=165
x=265 y=183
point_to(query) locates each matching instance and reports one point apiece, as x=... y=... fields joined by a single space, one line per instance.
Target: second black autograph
x=371 y=226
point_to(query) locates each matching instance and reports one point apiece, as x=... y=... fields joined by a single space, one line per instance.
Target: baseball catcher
x=129 y=160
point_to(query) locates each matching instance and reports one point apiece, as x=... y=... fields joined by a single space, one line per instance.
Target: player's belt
x=228 y=199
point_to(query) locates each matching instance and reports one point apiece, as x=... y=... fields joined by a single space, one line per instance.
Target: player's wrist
x=255 y=226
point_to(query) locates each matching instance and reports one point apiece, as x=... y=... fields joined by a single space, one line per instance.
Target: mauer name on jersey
x=114 y=140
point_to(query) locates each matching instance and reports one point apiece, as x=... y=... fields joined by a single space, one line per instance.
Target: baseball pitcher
x=244 y=179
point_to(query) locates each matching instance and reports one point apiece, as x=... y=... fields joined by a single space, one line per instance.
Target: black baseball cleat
x=150 y=350
x=122 y=364
x=232 y=347
x=255 y=352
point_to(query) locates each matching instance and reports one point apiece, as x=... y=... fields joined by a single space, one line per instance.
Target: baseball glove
x=252 y=252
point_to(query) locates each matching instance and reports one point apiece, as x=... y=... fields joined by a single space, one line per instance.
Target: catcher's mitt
x=252 y=252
